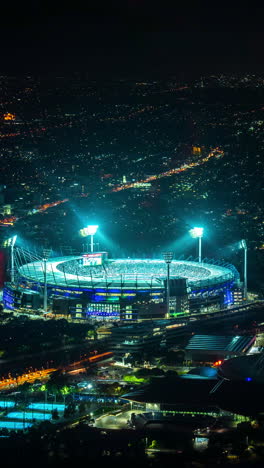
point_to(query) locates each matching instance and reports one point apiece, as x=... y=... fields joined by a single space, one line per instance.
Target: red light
x=218 y=363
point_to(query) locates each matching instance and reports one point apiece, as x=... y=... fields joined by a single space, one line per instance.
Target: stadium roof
x=239 y=397
x=246 y=367
x=137 y=273
x=225 y=345
x=174 y=391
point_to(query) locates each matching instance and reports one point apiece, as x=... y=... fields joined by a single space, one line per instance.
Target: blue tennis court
x=14 y=425
x=30 y=415
x=47 y=406
x=6 y=404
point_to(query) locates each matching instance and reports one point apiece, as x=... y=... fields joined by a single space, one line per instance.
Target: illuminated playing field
x=132 y=273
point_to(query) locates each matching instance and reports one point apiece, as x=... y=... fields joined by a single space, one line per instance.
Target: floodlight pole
x=168 y=289
x=198 y=232
x=200 y=249
x=12 y=263
x=245 y=272
x=92 y=243
x=12 y=244
x=46 y=254
x=45 y=299
x=168 y=256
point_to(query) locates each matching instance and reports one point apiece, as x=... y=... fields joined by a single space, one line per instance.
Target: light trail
x=30 y=377
x=91 y=359
x=12 y=219
x=43 y=374
x=214 y=153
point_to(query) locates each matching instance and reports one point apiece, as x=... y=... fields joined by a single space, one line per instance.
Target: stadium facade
x=90 y=285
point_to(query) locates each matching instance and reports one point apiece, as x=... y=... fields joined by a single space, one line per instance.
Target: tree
x=157 y=372
x=171 y=357
x=92 y=334
x=25 y=388
x=143 y=373
x=53 y=388
x=171 y=373
x=57 y=384
x=82 y=407
x=154 y=444
x=179 y=356
x=70 y=410
x=65 y=391
x=55 y=414
x=43 y=388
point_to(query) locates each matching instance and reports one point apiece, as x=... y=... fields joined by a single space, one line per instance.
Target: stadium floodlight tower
x=46 y=254
x=168 y=256
x=243 y=245
x=12 y=244
x=198 y=232
x=91 y=231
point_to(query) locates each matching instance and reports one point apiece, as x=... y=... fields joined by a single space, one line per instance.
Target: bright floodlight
x=91 y=229
x=243 y=244
x=10 y=242
x=196 y=232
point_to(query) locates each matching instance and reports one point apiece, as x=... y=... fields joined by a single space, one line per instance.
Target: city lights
x=215 y=153
x=139 y=339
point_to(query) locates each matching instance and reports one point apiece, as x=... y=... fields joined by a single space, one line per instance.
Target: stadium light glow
x=90 y=230
x=197 y=232
x=243 y=244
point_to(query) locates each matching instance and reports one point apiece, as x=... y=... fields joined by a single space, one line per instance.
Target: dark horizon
x=132 y=37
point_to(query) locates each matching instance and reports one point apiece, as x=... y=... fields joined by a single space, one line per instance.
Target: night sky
x=131 y=37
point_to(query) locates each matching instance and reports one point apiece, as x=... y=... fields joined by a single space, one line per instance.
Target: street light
x=243 y=245
x=198 y=232
x=90 y=230
x=168 y=256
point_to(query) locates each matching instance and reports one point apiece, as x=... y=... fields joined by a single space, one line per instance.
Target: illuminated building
x=130 y=289
x=135 y=339
x=8 y=116
x=20 y=298
x=196 y=150
x=6 y=210
x=215 y=348
x=238 y=295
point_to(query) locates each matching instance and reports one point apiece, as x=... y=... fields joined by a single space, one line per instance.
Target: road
x=28 y=377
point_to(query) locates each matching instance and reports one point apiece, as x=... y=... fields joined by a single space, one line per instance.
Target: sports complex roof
x=216 y=344
x=132 y=273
